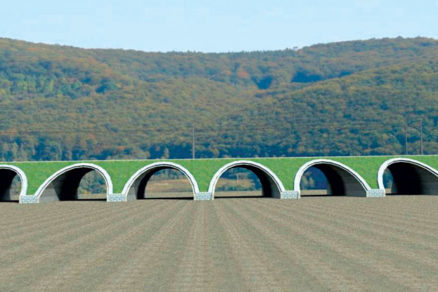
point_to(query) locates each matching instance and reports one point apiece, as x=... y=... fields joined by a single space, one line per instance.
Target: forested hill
x=348 y=98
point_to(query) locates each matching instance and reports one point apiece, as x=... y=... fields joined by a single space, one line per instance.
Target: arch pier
x=409 y=177
x=135 y=188
x=271 y=184
x=63 y=185
x=7 y=175
x=341 y=179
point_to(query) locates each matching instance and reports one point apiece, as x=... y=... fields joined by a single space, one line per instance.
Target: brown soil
x=320 y=244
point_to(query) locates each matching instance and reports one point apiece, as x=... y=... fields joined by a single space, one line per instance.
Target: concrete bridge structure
x=125 y=180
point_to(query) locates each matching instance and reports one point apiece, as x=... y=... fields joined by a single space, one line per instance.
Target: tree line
x=351 y=98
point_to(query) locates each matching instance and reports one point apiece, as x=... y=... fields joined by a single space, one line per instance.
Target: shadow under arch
x=342 y=179
x=271 y=184
x=135 y=187
x=410 y=177
x=63 y=185
x=7 y=175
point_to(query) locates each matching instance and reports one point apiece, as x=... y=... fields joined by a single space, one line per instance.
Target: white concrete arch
x=21 y=174
x=336 y=164
x=134 y=180
x=108 y=182
x=251 y=165
x=413 y=162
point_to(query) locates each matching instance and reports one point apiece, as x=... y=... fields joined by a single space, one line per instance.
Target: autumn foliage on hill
x=349 y=98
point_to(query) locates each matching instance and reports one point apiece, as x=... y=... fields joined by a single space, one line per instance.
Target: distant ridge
x=378 y=96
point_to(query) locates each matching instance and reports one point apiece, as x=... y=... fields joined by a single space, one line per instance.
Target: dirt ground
x=252 y=244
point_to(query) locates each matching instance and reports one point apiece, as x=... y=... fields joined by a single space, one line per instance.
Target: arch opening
x=10 y=185
x=315 y=183
x=77 y=182
x=165 y=183
x=406 y=178
x=329 y=178
x=268 y=183
x=240 y=182
x=92 y=187
x=161 y=181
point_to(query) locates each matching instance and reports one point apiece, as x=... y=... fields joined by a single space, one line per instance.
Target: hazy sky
x=214 y=26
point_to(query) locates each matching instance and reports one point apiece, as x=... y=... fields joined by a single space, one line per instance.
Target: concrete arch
x=410 y=176
x=271 y=184
x=7 y=174
x=341 y=177
x=64 y=183
x=135 y=186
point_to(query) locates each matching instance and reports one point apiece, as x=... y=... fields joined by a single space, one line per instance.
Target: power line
x=231 y=129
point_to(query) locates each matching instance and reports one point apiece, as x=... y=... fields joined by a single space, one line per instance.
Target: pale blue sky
x=214 y=26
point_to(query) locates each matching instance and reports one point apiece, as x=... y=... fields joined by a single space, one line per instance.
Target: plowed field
x=320 y=244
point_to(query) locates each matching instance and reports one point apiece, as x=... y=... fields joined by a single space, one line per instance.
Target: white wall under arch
x=245 y=163
x=336 y=164
x=53 y=177
x=160 y=165
x=389 y=162
x=21 y=174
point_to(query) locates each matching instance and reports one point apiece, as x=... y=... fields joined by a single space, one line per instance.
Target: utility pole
x=421 y=137
x=237 y=179
x=193 y=143
x=406 y=138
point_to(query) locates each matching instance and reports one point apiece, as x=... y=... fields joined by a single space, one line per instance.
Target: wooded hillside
x=349 y=98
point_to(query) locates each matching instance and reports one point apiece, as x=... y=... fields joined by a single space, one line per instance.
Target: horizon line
x=294 y=48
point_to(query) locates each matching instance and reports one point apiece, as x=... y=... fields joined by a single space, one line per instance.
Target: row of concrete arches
x=409 y=177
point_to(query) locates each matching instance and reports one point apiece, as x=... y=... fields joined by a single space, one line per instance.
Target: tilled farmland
x=254 y=244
